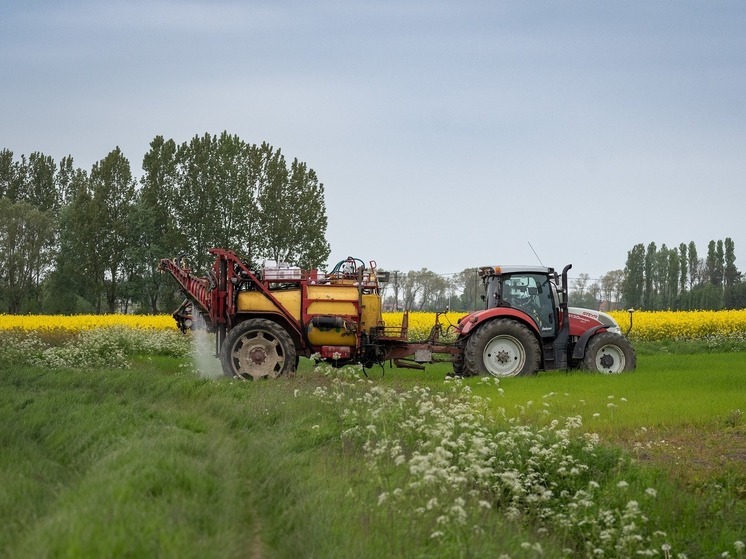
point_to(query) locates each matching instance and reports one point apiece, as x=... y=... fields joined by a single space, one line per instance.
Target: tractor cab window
x=532 y=293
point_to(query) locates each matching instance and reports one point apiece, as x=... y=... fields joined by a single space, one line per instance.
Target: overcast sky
x=447 y=134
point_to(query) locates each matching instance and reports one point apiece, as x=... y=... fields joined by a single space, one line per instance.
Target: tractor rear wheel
x=459 y=360
x=609 y=353
x=257 y=348
x=502 y=348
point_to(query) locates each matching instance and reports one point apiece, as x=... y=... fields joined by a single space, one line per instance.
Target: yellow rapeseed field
x=420 y=323
x=691 y=325
x=648 y=325
x=79 y=323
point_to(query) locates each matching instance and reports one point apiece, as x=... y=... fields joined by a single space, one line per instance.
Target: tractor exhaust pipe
x=563 y=334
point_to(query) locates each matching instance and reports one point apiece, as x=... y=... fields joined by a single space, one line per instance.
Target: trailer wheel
x=257 y=348
x=609 y=353
x=502 y=348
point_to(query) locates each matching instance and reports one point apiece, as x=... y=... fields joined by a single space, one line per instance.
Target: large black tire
x=459 y=369
x=609 y=353
x=258 y=348
x=502 y=348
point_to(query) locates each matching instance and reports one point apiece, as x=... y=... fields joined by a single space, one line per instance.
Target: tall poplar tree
x=710 y=263
x=673 y=278
x=634 y=277
x=649 y=296
x=693 y=261
x=683 y=268
x=113 y=191
x=153 y=232
x=731 y=272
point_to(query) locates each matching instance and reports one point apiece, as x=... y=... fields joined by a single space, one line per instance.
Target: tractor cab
x=531 y=289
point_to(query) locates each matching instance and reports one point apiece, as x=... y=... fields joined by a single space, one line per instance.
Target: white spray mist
x=205 y=364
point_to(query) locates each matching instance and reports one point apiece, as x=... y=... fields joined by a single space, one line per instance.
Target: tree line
x=90 y=241
x=652 y=279
x=76 y=241
x=679 y=279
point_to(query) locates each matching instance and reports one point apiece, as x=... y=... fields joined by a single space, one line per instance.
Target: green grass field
x=156 y=462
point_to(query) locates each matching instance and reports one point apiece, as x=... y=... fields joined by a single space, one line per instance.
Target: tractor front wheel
x=609 y=353
x=257 y=348
x=502 y=348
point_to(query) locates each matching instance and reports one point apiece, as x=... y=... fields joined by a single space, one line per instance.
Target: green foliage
x=676 y=279
x=78 y=273
x=113 y=196
x=634 y=277
x=26 y=237
x=292 y=216
x=734 y=296
x=109 y=231
x=30 y=180
x=227 y=193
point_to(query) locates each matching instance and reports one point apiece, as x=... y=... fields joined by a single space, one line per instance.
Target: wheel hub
x=607 y=361
x=502 y=357
x=257 y=355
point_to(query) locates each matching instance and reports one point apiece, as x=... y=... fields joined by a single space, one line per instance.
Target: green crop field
x=156 y=461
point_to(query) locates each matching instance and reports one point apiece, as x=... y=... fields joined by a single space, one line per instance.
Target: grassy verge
x=154 y=461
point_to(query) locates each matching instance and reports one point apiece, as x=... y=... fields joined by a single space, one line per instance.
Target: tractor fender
x=579 y=351
x=470 y=322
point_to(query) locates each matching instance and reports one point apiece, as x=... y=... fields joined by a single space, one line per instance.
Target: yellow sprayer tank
x=324 y=301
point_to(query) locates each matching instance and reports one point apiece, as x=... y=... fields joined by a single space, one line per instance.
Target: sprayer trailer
x=264 y=320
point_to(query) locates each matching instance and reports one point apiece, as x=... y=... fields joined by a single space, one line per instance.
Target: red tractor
x=265 y=319
x=527 y=326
